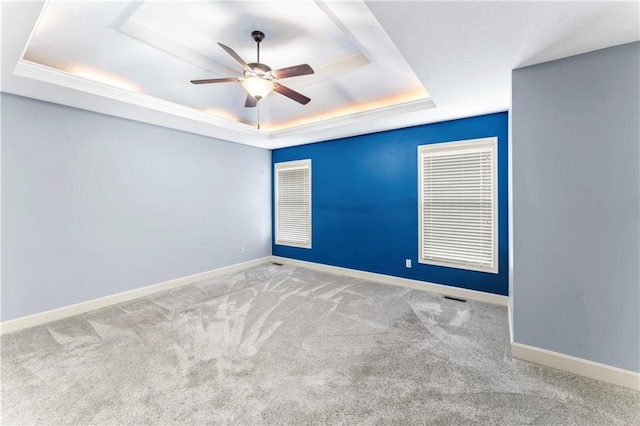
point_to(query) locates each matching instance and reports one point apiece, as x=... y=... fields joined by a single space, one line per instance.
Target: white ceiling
x=379 y=65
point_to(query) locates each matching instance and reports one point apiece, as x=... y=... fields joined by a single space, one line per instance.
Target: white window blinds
x=458 y=204
x=293 y=203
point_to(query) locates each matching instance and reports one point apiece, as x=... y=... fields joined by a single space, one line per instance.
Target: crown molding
x=54 y=76
x=344 y=121
x=342 y=126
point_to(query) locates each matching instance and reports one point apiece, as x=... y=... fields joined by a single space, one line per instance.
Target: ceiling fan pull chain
x=258 y=108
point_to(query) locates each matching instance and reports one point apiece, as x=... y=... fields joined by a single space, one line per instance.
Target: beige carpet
x=283 y=345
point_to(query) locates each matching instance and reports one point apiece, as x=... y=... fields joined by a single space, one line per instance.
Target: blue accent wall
x=364 y=195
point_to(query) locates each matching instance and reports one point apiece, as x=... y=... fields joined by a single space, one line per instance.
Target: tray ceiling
x=153 y=50
x=378 y=66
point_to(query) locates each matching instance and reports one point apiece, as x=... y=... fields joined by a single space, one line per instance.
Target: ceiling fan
x=259 y=80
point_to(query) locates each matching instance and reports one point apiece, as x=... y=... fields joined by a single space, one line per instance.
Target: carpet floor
x=285 y=345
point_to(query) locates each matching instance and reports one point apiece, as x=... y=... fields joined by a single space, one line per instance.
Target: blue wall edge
x=365 y=202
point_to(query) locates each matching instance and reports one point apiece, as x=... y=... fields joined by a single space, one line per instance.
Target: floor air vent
x=455 y=298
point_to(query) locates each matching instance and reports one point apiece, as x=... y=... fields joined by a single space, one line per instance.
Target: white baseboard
x=90 y=305
x=583 y=367
x=579 y=366
x=401 y=282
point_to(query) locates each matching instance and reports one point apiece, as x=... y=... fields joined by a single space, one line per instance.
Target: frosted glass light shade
x=258 y=87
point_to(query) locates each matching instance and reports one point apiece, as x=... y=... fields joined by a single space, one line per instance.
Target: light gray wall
x=576 y=206
x=94 y=205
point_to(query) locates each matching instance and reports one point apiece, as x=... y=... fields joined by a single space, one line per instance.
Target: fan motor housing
x=257 y=66
x=259 y=70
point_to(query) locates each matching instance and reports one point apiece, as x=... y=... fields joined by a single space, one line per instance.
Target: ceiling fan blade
x=291 y=94
x=250 y=102
x=294 y=71
x=235 y=56
x=216 y=80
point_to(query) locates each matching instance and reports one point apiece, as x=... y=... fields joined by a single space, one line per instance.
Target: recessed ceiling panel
x=154 y=49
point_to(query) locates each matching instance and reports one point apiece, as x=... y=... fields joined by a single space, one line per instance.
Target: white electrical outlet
x=407 y=263
x=242 y=250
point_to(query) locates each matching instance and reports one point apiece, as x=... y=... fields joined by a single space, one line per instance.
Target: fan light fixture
x=258 y=87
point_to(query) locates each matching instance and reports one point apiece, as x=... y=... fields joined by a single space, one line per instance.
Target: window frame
x=469 y=144
x=290 y=165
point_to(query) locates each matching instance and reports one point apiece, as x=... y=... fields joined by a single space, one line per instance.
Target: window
x=293 y=203
x=458 y=204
